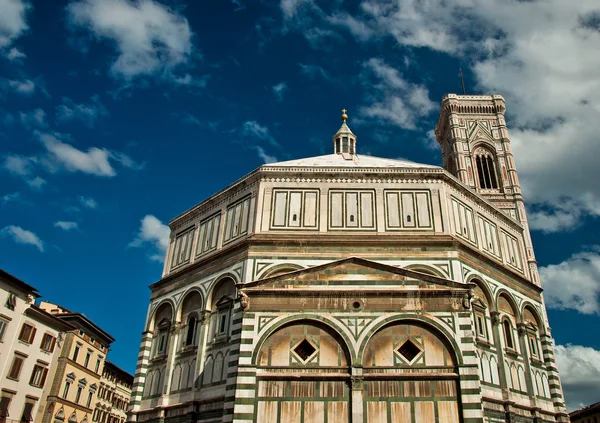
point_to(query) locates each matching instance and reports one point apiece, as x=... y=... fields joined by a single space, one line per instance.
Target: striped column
x=232 y=365
x=141 y=369
x=468 y=372
x=245 y=384
x=556 y=392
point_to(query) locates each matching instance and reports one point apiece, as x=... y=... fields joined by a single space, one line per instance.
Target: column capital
x=495 y=317
x=357 y=382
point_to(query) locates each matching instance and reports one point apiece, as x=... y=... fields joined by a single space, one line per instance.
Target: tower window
x=345 y=145
x=337 y=145
x=486 y=170
x=508 y=334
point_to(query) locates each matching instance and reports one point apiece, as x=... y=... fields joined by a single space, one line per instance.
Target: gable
x=355 y=272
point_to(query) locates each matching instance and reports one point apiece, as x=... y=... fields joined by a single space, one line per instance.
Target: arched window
x=190 y=337
x=221 y=306
x=162 y=325
x=508 y=334
x=486 y=169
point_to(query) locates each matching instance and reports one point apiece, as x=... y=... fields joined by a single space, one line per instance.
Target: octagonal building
x=349 y=288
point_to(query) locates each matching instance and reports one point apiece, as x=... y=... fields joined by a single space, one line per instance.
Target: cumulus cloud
x=94 y=161
x=264 y=156
x=279 y=90
x=545 y=67
x=13 y=21
x=154 y=233
x=22 y=236
x=88 y=202
x=150 y=38
x=87 y=113
x=19 y=165
x=25 y=86
x=253 y=129
x=12 y=197
x=574 y=283
x=15 y=55
x=579 y=369
x=395 y=99
x=66 y=226
x=33 y=119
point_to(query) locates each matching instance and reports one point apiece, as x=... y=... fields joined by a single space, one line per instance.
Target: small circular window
x=356 y=305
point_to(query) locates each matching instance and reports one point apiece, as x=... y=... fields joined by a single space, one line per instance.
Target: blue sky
x=117 y=115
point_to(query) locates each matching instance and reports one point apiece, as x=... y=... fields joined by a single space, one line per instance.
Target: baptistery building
x=350 y=288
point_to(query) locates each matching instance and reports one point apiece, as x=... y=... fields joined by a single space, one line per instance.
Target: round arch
x=479 y=281
x=529 y=307
x=187 y=293
x=216 y=284
x=151 y=322
x=280 y=269
x=430 y=324
x=319 y=321
x=425 y=269
x=511 y=301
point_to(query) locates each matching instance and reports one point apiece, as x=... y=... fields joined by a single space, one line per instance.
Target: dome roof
x=356 y=161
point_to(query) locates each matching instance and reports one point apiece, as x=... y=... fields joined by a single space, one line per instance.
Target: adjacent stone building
x=78 y=372
x=113 y=395
x=350 y=288
x=30 y=340
x=589 y=414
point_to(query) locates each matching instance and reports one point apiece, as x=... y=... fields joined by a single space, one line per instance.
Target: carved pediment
x=352 y=273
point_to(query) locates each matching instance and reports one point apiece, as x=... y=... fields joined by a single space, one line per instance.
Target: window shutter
x=53 y=343
x=16 y=367
x=4 y=403
x=44 y=374
x=32 y=335
x=27 y=412
x=22 y=333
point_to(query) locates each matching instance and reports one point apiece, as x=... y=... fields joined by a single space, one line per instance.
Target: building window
x=162 y=343
x=533 y=345
x=345 y=147
x=508 y=334
x=337 y=145
x=15 y=368
x=38 y=376
x=486 y=170
x=3 y=325
x=76 y=351
x=48 y=343
x=11 y=301
x=4 y=405
x=78 y=394
x=236 y=219
x=27 y=415
x=480 y=325
x=27 y=333
x=190 y=337
x=98 y=362
x=89 y=399
x=65 y=393
x=88 y=355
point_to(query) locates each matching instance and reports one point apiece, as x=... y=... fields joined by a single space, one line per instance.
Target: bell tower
x=472 y=134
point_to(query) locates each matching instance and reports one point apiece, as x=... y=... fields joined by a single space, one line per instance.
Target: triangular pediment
x=355 y=272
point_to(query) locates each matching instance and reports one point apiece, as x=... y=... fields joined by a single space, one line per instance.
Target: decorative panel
x=512 y=250
x=236 y=220
x=489 y=236
x=208 y=234
x=294 y=209
x=182 y=248
x=464 y=225
x=352 y=210
x=408 y=209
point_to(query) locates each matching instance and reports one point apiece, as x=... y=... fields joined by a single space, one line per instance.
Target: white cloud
x=66 y=226
x=22 y=236
x=88 y=202
x=14 y=54
x=579 y=369
x=25 y=86
x=87 y=113
x=396 y=100
x=65 y=156
x=314 y=71
x=574 y=283
x=36 y=183
x=35 y=118
x=264 y=156
x=545 y=67
x=150 y=38
x=19 y=165
x=12 y=20
x=252 y=128
x=279 y=90
x=12 y=197
x=126 y=161
x=155 y=233
x=290 y=7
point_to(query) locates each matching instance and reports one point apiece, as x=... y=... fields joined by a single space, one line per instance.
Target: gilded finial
x=344 y=115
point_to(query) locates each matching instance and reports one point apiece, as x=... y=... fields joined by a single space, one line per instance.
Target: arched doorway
x=303 y=375
x=410 y=376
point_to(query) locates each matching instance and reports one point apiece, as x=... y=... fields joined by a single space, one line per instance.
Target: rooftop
x=356 y=161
